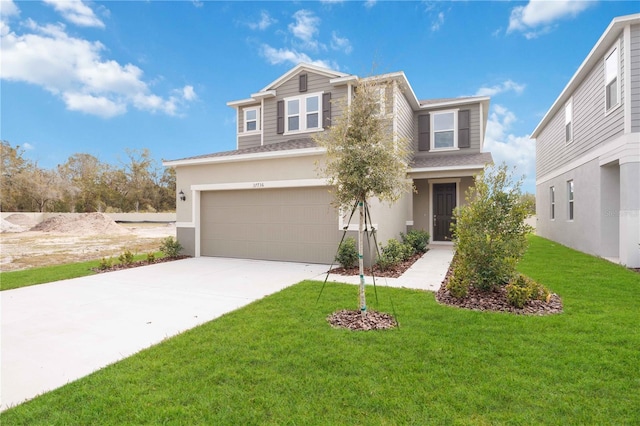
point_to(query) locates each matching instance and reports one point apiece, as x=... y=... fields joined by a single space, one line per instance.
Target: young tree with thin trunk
x=364 y=158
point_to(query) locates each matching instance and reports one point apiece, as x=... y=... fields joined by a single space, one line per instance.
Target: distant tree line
x=85 y=184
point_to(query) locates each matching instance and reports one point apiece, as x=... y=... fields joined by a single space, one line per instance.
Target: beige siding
x=591 y=125
x=315 y=83
x=404 y=116
x=249 y=141
x=293 y=224
x=634 y=70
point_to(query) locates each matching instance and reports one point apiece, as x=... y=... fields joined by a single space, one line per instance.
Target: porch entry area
x=444 y=201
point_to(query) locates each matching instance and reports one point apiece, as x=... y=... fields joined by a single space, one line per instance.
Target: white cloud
x=517 y=152
x=538 y=16
x=370 y=3
x=505 y=86
x=305 y=26
x=265 y=21
x=437 y=22
x=8 y=8
x=279 y=56
x=73 y=69
x=189 y=94
x=28 y=147
x=76 y=12
x=340 y=43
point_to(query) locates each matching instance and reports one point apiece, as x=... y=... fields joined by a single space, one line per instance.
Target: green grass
x=278 y=362
x=47 y=274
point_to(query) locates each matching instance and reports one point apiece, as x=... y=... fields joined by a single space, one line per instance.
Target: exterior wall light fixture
x=182 y=196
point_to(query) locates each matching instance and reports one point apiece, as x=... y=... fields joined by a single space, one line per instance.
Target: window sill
x=443 y=149
x=612 y=109
x=251 y=133
x=301 y=132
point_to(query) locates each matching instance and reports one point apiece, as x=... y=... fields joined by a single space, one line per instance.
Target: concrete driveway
x=55 y=333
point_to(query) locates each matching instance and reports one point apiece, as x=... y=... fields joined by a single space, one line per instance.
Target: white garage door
x=291 y=224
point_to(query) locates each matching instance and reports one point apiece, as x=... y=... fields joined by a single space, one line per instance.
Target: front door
x=444 y=201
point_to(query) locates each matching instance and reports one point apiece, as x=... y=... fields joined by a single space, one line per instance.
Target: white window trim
x=455 y=130
x=257 y=120
x=302 y=114
x=552 y=202
x=608 y=111
x=571 y=200
x=569 y=104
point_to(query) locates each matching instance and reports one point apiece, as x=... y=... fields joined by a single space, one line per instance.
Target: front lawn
x=46 y=274
x=277 y=361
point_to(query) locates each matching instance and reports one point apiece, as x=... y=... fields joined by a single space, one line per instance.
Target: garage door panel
x=291 y=224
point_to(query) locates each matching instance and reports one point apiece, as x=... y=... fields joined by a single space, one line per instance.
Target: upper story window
x=611 y=80
x=251 y=119
x=303 y=113
x=444 y=130
x=568 y=121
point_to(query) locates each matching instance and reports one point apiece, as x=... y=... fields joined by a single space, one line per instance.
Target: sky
x=101 y=77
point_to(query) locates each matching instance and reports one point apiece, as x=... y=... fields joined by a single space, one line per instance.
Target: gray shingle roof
x=281 y=146
x=454 y=160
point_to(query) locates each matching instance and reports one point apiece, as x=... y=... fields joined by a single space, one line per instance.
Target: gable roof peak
x=303 y=66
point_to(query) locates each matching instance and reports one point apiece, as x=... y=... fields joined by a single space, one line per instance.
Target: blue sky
x=100 y=77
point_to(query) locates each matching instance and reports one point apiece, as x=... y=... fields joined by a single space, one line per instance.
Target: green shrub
x=393 y=253
x=517 y=296
x=126 y=258
x=105 y=263
x=521 y=289
x=170 y=247
x=458 y=286
x=151 y=257
x=489 y=231
x=347 y=255
x=418 y=239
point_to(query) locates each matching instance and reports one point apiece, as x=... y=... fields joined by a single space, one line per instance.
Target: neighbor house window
x=303 y=113
x=552 y=197
x=611 y=69
x=444 y=130
x=251 y=120
x=570 y=199
x=568 y=121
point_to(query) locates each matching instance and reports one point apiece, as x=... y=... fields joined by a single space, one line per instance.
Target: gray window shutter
x=326 y=110
x=280 y=120
x=464 y=140
x=424 y=132
x=303 y=82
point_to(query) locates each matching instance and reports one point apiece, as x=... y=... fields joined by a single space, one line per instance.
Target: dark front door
x=444 y=201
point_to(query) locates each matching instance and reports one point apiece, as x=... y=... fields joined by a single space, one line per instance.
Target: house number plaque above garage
x=258 y=185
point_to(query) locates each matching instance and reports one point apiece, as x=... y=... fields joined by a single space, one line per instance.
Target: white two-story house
x=588 y=152
x=266 y=200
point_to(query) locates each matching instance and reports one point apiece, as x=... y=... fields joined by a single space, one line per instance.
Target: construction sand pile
x=7 y=226
x=82 y=224
x=17 y=222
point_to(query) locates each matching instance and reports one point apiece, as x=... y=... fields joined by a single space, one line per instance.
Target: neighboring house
x=588 y=152
x=265 y=200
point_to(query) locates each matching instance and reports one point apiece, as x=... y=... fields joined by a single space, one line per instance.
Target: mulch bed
x=393 y=272
x=121 y=266
x=496 y=301
x=353 y=320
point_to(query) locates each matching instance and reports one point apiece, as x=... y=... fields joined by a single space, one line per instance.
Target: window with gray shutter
x=280 y=119
x=326 y=110
x=303 y=83
x=424 y=132
x=464 y=140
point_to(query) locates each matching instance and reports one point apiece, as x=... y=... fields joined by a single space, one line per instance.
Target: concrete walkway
x=55 y=333
x=426 y=274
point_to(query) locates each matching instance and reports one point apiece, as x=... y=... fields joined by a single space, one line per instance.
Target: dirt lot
x=87 y=239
